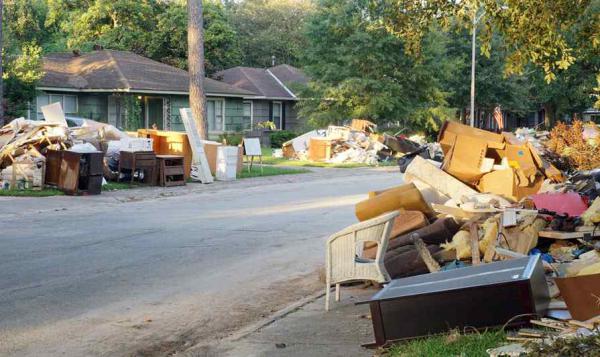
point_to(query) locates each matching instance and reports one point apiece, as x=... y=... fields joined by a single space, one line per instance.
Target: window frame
x=222 y=100
x=251 y=112
x=280 y=113
x=39 y=114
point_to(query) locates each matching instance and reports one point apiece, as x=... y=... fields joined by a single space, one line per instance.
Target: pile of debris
x=357 y=143
x=25 y=146
x=495 y=220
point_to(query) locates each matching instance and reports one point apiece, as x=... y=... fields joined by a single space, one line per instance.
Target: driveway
x=154 y=271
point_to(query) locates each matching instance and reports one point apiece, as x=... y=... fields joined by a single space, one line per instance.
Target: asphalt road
x=139 y=274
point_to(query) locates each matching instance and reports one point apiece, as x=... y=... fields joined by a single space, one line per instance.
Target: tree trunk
x=549 y=115
x=1 y=64
x=196 y=65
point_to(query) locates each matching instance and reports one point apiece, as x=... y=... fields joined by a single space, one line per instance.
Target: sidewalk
x=307 y=331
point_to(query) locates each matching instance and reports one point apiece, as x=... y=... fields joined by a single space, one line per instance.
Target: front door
x=154 y=112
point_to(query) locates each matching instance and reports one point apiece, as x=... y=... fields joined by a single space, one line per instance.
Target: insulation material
x=461 y=243
x=592 y=214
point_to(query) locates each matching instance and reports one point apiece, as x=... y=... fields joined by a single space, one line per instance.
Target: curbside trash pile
x=490 y=233
x=357 y=143
x=79 y=155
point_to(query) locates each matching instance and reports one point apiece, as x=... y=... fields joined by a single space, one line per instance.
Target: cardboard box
x=450 y=130
x=466 y=158
x=507 y=184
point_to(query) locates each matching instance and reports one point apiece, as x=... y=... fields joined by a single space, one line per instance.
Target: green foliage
x=533 y=31
x=361 y=71
x=153 y=28
x=169 y=40
x=268 y=28
x=266 y=125
x=23 y=23
x=19 y=79
x=281 y=136
x=133 y=108
x=233 y=139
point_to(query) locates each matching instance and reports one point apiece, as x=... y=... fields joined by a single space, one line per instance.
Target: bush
x=281 y=136
x=233 y=139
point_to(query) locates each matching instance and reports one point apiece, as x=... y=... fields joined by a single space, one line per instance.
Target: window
x=248 y=115
x=276 y=118
x=214 y=115
x=67 y=101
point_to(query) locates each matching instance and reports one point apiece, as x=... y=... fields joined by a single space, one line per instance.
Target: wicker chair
x=343 y=248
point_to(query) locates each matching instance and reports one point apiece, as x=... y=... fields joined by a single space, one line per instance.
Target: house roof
x=110 y=70
x=269 y=82
x=289 y=74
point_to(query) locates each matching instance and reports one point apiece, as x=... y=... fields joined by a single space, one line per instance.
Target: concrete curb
x=278 y=315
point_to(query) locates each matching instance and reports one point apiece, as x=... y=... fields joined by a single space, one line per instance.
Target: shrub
x=281 y=136
x=233 y=139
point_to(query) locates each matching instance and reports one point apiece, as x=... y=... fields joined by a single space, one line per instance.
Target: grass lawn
x=270 y=160
x=467 y=345
x=269 y=171
x=47 y=192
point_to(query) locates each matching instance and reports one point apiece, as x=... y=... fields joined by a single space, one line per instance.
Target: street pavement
x=155 y=271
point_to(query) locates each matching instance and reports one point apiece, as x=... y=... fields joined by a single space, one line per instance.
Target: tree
x=532 y=30
x=196 y=64
x=21 y=75
x=169 y=41
x=361 y=71
x=267 y=28
x=117 y=24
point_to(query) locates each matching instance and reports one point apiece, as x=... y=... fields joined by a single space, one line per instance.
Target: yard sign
x=200 y=168
x=252 y=149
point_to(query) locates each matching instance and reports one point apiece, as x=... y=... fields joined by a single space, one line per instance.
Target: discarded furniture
x=170 y=143
x=344 y=247
x=81 y=173
x=478 y=296
x=320 y=149
x=139 y=160
x=53 y=160
x=170 y=169
x=401 y=197
x=227 y=158
x=581 y=295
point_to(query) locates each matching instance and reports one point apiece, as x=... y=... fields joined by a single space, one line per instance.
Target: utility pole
x=476 y=20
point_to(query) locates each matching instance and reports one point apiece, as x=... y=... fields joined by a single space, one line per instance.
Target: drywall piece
x=430 y=194
x=54 y=114
x=425 y=171
x=200 y=169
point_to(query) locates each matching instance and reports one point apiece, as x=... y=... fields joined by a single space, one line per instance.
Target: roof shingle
x=120 y=70
x=270 y=83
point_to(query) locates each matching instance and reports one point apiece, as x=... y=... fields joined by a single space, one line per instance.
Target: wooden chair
x=343 y=263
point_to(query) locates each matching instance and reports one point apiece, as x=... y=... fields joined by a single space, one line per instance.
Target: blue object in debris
x=545 y=256
x=455 y=264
